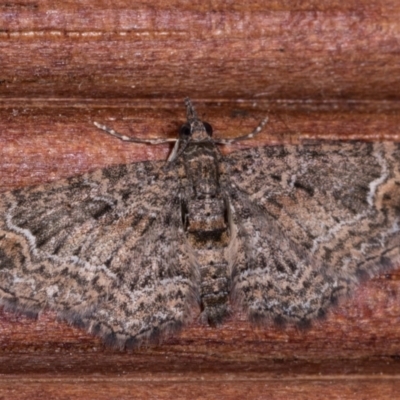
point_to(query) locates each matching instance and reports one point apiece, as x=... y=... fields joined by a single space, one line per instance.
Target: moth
x=132 y=252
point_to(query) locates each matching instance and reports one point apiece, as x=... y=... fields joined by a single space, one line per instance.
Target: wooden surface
x=320 y=70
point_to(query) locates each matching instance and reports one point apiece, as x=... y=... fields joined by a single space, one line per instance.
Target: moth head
x=194 y=129
x=197 y=130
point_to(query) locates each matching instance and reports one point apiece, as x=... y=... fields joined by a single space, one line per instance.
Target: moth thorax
x=207 y=214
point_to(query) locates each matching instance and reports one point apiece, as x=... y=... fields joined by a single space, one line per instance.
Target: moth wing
x=312 y=220
x=103 y=249
x=157 y=289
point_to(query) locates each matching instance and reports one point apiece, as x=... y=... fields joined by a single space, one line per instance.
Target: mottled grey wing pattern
x=73 y=246
x=129 y=252
x=312 y=220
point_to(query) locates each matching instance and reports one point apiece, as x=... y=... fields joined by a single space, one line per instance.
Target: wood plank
x=322 y=70
x=224 y=386
x=157 y=50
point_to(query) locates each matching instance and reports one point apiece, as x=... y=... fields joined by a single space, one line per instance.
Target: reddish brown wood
x=320 y=70
x=119 y=49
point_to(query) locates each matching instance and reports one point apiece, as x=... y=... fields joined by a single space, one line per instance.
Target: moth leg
x=250 y=135
x=120 y=136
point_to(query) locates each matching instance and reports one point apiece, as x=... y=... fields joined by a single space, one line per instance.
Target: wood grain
x=320 y=70
x=163 y=49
